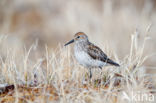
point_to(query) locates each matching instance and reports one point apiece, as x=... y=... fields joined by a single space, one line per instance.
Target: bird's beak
x=69 y=42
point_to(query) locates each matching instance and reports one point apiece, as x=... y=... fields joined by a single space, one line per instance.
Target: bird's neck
x=79 y=46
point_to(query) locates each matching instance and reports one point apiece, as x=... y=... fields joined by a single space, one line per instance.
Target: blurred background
x=108 y=23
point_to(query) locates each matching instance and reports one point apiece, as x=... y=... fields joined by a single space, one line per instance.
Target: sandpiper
x=88 y=54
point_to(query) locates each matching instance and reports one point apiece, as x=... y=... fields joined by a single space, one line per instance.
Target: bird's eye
x=78 y=37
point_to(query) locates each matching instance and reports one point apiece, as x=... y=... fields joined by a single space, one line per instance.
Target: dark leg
x=100 y=68
x=90 y=73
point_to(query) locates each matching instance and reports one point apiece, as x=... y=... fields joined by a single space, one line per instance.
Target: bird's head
x=78 y=37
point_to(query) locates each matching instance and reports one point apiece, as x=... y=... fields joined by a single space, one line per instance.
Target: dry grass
x=35 y=67
x=57 y=78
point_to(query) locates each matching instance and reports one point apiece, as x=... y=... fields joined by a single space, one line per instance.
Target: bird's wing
x=96 y=53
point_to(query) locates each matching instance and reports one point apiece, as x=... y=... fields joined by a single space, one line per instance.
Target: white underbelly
x=84 y=59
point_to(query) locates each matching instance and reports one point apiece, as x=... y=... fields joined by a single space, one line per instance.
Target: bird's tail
x=112 y=62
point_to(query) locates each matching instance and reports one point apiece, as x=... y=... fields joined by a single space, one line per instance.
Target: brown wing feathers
x=96 y=53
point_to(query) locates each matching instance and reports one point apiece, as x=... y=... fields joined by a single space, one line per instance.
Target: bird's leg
x=90 y=73
x=101 y=76
x=90 y=76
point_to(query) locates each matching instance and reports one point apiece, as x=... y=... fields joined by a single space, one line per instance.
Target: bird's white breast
x=84 y=59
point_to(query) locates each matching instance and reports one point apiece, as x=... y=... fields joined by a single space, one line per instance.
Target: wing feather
x=96 y=53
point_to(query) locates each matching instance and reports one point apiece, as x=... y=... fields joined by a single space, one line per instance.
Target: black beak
x=69 y=42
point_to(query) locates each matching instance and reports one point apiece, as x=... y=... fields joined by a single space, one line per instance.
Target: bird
x=89 y=55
